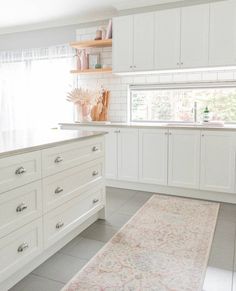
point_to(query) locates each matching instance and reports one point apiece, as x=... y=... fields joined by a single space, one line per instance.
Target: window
x=157 y=104
x=33 y=87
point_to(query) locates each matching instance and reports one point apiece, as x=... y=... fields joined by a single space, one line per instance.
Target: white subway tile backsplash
x=179 y=78
x=194 y=77
x=226 y=75
x=209 y=76
x=153 y=79
x=166 y=78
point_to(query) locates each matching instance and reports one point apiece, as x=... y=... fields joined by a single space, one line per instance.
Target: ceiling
x=19 y=15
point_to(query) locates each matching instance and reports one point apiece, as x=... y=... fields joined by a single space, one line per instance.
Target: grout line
x=39 y=276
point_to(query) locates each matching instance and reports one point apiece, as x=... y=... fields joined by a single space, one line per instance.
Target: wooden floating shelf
x=91 y=43
x=92 y=71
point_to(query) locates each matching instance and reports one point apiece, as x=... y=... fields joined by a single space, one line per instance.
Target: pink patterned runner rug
x=164 y=247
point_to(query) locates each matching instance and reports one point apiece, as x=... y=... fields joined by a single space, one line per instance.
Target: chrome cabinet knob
x=59 y=225
x=20 y=171
x=95 y=173
x=22 y=247
x=95 y=201
x=58 y=160
x=95 y=149
x=58 y=190
x=21 y=207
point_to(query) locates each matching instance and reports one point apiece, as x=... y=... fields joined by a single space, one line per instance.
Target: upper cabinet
x=143 y=42
x=194 y=36
x=122 y=59
x=167 y=39
x=222 y=51
x=133 y=43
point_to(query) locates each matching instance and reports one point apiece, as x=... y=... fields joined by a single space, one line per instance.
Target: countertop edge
x=48 y=145
x=151 y=126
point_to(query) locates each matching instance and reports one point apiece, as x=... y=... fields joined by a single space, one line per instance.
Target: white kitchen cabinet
x=111 y=170
x=184 y=158
x=133 y=43
x=128 y=154
x=153 y=152
x=122 y=59
x=218 y=161
x=167 y=39
x=143 y=42
x=222 y=50
x=194 y=36
x=111 y=159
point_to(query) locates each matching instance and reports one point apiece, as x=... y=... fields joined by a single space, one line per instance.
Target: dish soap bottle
x=206 y=115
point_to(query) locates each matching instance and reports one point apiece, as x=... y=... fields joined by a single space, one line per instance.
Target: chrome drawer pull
x=59 y=225
x=95 y=149
x=95 y=173
x=22 y=247
x=95 y=201
x=58 y=190
x=20 y=171
x=58 y=160
x=21 y=207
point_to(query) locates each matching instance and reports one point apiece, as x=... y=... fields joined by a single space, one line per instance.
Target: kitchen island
x=51 y=188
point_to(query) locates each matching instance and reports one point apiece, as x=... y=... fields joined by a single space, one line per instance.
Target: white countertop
x=203 y=126
x=17 y=142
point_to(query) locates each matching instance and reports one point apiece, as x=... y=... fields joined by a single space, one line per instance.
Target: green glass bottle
x=206 y=114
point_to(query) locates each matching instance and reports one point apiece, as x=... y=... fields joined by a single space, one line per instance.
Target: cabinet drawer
x=63 y=157
x=20 y=247
x=69 y=184
x=18 y=170
x=20 y=206
x=65 y=218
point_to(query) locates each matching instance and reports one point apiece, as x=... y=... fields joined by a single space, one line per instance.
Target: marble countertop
x=228 y=127
x=17 y=142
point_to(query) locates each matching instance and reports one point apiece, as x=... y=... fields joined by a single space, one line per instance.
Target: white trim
x=190 y=193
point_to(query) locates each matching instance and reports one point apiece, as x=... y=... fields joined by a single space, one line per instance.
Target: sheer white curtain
x=33 y=87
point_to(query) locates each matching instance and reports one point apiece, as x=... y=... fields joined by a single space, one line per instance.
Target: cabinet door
x=128 y=154
x=111 y=162
x=217 y=161
x=153 y=148
x=195 y=36
x=143 y=42
x=184 y=158
x=122 y=44
x=167 y=39
x=223 y=33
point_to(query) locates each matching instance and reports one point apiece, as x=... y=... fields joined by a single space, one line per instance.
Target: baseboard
x=190 y=193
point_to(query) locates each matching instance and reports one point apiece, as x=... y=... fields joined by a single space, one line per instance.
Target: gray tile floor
x=121 y=205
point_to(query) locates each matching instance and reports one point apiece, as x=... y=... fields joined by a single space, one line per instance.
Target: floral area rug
x=164 y=247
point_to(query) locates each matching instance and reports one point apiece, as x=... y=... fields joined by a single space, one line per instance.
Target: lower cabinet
x=187 y=158
x=218 y=161
x=20 y=247
x=184 y=158
x=153 y=152
x=63 y=219
x=128 y=154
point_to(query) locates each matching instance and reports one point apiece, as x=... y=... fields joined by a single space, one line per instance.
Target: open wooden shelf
x=92 y=71
x=91 y=43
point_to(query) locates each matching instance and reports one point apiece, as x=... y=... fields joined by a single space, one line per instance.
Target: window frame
x=174 y=86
